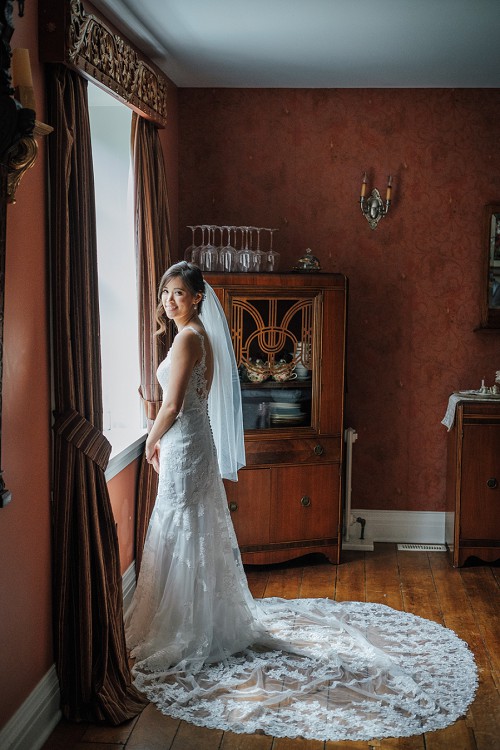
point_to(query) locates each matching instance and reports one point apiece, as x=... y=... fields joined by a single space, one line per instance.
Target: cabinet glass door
x=276 y=353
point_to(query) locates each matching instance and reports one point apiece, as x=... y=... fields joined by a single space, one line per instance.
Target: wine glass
x=244 y=254
x=272 y=258
x=208 y=255
x=188 y=252
x=227 y=254
x=258 y=256
x=220 y=246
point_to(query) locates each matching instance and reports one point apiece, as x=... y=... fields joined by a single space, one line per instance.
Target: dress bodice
x=196 y=396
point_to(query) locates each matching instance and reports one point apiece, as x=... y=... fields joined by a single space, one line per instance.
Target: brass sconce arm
x=18 y=149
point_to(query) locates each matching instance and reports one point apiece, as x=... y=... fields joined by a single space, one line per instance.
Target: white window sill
x=121 y=457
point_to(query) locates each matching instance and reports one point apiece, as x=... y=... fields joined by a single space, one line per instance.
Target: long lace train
x=352 y=671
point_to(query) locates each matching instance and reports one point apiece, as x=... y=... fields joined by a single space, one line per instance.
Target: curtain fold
x=152 y=242
x=91 y=656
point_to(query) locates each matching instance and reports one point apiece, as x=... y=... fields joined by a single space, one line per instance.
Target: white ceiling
x=316 y=43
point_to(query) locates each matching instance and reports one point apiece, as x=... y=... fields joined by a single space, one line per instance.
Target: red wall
x=25 y=589
x=122 y=490
x=293 y=159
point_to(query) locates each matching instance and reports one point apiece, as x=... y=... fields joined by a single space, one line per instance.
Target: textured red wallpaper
x=294 y=159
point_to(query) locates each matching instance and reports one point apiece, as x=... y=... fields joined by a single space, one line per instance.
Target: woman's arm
x=186 y=351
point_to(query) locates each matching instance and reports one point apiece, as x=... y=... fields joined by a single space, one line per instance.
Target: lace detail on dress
x=365 y=671
x=207 y=652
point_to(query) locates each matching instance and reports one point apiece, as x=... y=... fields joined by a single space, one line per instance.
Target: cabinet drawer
x=305 y=503
x=287 y=450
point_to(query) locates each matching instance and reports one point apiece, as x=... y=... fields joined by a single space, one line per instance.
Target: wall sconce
x=24 y=150
x=373 y=208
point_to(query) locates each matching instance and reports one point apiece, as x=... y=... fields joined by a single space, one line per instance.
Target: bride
x=204 y=649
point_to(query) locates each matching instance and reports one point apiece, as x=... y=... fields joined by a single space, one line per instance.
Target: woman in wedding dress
x=204 y=649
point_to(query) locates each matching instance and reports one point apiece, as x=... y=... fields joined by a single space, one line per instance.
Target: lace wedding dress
x=207 y=652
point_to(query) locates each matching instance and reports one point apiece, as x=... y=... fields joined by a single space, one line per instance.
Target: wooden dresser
x=473 y=483
x=287 y=501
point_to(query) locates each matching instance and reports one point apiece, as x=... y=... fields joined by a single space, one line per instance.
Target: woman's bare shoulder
x=187 y=341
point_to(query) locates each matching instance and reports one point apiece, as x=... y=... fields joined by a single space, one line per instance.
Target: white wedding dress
x=207 y=652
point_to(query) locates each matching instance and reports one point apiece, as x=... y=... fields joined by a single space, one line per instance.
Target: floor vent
x=422 y=547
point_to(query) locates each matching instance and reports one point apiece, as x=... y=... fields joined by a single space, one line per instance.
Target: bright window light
x=110 y=123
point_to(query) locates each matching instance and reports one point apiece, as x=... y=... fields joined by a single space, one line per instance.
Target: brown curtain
x=152 y=227
x=91 y=655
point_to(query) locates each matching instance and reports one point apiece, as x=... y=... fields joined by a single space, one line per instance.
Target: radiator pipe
x=362 y=522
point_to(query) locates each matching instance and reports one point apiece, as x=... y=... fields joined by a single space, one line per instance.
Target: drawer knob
x=492 y=483
x=305 y=501
x=319 y=450
x=233 y=507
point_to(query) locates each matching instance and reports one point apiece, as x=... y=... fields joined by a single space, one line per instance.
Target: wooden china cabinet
x=473 y=483
x=288 y=332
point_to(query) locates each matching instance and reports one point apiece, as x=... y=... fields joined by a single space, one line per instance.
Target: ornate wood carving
x=70 y=34
x=270 y=327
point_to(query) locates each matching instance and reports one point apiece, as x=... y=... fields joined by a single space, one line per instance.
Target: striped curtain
x=152 y=227
x=90 y=651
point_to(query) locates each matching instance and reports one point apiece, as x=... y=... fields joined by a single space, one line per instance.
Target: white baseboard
x=40 y=713
x=36 y=718
x=416 y=526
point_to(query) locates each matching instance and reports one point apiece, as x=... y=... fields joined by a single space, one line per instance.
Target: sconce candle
x=363 y=185
x=22 y=80
x=21 y=68
x=389 y=188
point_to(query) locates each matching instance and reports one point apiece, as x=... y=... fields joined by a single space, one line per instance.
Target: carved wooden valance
x=70 y=34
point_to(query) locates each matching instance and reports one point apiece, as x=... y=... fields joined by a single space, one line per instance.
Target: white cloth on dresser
x=449 y=418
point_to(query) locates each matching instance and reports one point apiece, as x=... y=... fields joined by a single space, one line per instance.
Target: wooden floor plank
x=257 y=581
x=153 y=731
x=348 y=745
x=383 y=585
x=284 y=582
x=190 y=737
x=483 y=716
x=283 y=743
x=495 y=572
x=413 y=565
x=481 y=590
x=482 y=580
x=458 y=736
x=383 y=563
x=351 y=585
x=102 y=733
x=468 y=630
x=232 y=741
x=449 y=585
x=65 y=735
x=318 y=581
x=417 y=586
x=403 y=743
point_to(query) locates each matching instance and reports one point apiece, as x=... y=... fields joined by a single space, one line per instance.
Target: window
x=110 y=123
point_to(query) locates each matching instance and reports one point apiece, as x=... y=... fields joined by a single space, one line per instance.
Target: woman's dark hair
x=193 y=279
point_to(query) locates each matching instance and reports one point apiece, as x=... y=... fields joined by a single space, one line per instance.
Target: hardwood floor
x=467 y=600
